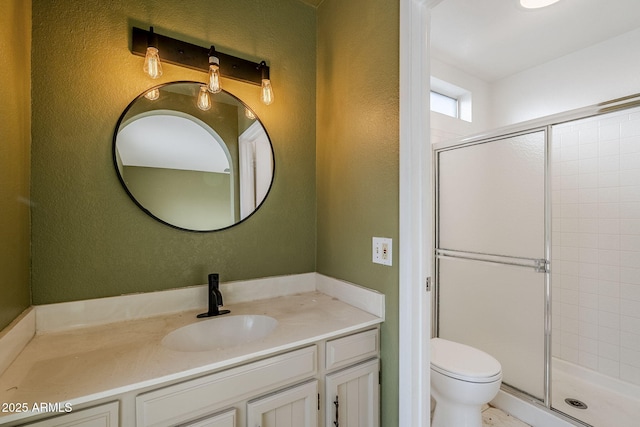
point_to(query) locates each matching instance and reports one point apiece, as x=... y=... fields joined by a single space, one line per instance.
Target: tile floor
x=494 y=417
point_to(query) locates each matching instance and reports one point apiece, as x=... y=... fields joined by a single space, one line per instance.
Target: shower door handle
x=540 y=265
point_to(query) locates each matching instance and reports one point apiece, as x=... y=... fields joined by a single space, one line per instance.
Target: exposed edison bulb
x=249 y=114
x=214 y=77
x=204 y=101
x=152 y=65
x=153 y=94
x=267 y=92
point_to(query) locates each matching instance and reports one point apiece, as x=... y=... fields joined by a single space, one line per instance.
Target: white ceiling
x=492 y=39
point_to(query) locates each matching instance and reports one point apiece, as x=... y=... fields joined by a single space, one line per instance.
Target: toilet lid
x=463 y=362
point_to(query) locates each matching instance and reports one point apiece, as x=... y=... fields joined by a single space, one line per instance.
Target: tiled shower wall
x=595 y=260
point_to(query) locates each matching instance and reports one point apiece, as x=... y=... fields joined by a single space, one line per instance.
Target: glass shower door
x=491 y=253
x=493 y=307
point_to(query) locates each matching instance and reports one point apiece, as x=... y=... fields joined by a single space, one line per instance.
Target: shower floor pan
x=610 y=402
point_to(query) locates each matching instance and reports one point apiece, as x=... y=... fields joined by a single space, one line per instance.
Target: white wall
x=602 y=72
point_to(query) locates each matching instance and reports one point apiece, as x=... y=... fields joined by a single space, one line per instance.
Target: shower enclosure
x=538 y=258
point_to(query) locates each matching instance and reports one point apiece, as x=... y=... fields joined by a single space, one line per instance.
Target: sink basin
x=220 y=332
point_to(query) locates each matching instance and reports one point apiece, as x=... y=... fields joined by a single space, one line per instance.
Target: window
x=450 y=100
x=444 y=104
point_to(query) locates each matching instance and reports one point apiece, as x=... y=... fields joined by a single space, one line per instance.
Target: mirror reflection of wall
x=178 y=168
x=193 y=169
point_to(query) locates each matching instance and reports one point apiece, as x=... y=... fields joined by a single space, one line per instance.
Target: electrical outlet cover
x=382 y=252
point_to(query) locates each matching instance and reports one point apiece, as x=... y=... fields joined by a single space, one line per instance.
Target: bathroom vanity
x=317 y=367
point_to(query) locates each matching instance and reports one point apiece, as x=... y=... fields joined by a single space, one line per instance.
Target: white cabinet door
x=293 y=407
x=98 y=416
x=352 y=396
x=221 y=419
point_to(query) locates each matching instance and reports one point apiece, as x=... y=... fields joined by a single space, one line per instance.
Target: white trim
x=246 y=171
x=415 y=214
x=255 y=167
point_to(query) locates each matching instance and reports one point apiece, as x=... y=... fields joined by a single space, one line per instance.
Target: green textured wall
x=89 y=239
x=358 y=156
x=199 y=200
x=15 y=145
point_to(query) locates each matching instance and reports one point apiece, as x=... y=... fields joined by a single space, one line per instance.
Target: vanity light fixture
x=204 y=100
x=152 y=65
x=536 y=4
x=177 y=52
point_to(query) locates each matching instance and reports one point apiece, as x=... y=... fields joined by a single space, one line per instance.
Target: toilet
x=463 y=379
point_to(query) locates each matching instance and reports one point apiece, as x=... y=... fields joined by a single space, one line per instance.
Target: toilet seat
x=463 y=362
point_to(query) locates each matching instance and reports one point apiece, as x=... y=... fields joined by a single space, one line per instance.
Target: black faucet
x=215 y=298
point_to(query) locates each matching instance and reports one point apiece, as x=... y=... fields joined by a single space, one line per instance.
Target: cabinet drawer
x=98 y=416
x=222 y=419
x=350 y=349
x=192 y=399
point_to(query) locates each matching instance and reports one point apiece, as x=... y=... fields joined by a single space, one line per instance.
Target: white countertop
x=85 y=364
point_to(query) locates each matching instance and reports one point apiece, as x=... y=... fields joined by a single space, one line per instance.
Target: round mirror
x=193 y=169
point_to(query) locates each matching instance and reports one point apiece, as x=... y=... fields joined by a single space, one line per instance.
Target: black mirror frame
x=145 y=210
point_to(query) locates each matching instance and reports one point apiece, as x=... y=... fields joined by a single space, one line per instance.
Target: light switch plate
x=382 y=250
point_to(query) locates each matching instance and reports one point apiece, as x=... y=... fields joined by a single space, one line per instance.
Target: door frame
x=416 y=201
